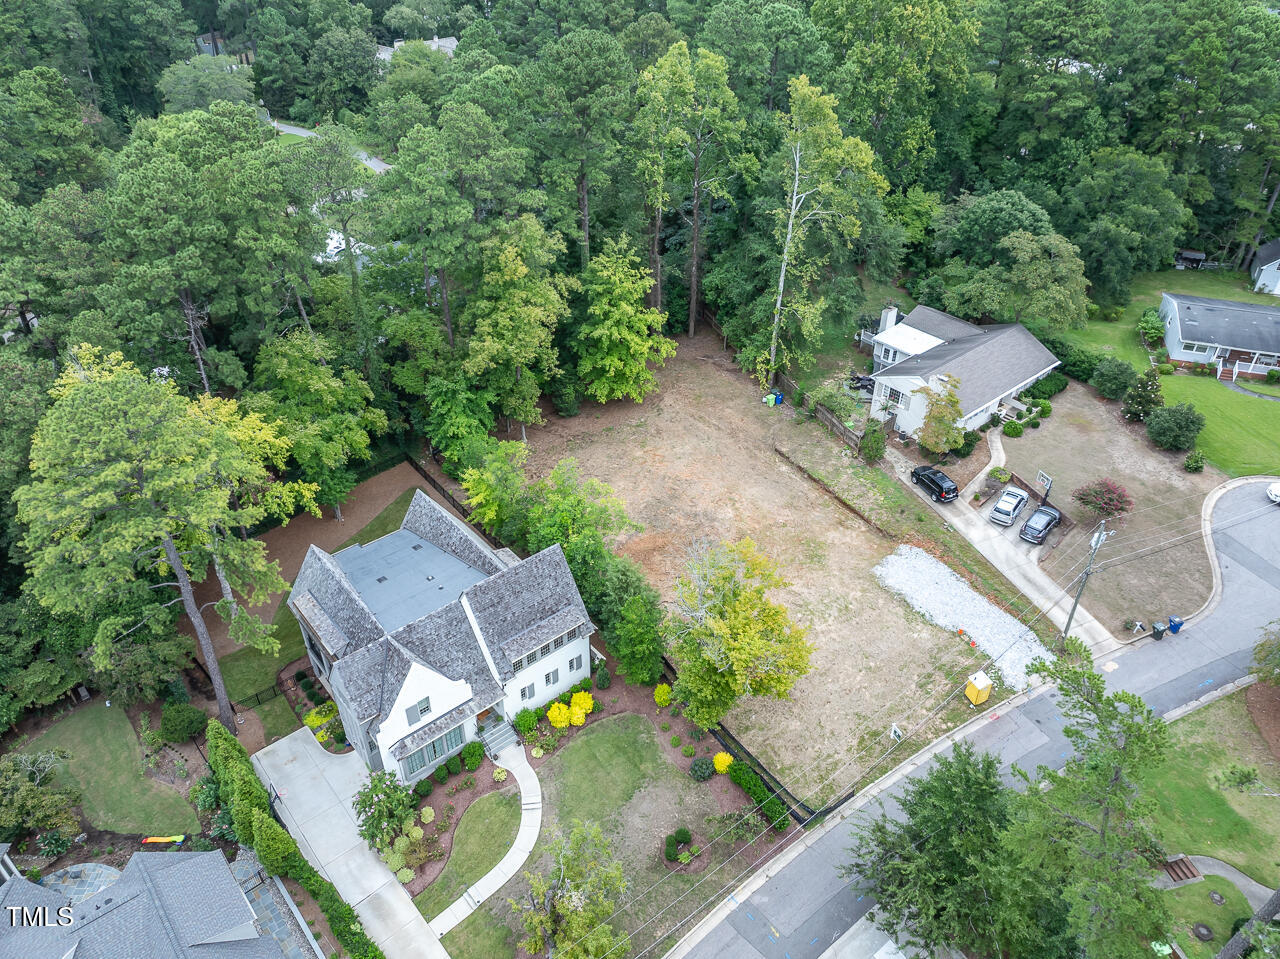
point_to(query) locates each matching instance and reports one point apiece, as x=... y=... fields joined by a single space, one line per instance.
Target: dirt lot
x=696 y=462
x=1162 y=568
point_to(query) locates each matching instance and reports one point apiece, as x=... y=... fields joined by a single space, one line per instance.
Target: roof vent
x=440 y=587
x=382 y=579
x=417 y=546
x=430 y=577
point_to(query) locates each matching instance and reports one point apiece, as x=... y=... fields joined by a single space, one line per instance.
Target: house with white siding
x=427 y=634
x=1265 y=268
x=991 y=364
x=1240 y=339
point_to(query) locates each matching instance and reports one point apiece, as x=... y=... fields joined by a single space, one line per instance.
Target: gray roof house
x=991 y=364
x=1241 y=339
x=427 y=633
x=1265 y=268
x=164 y=905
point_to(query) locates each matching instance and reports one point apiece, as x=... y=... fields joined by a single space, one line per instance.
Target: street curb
x=734 y=897
x=1210 y=697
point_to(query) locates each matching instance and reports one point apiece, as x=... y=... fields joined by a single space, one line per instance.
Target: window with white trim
x=433 y=751
x=517 y=664
x=1195 y=347
x=526 y=693
x=888 y=354
x=553 y=677
x=892 y=397
x=531 y=657
x=545 y=650
x=557 y=642
x=419 y=709
x=575 y=664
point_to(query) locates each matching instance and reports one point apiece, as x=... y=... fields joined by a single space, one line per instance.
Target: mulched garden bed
x=1263 y=702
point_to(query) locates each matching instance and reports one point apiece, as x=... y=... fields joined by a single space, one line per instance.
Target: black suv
x=938 y=483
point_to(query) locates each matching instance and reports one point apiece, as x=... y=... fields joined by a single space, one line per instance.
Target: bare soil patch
x=1263 y=703
x=696 y=462
x=1156 y=565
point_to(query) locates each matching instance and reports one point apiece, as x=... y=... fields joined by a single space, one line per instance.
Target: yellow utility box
x=978 y=688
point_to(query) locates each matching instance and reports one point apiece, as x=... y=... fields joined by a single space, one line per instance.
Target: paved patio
x=316 y=788
x=81 y=881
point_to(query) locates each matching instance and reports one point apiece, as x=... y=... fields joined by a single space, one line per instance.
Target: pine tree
x=1144 y=397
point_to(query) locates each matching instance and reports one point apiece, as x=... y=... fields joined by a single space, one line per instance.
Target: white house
x=1265 y=269
x=427 y=632
x=991 y=364
x=1242 y=339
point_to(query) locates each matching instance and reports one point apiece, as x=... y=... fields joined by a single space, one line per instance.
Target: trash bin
x=1175 y=623
x=777 y=397
x=1157 y=630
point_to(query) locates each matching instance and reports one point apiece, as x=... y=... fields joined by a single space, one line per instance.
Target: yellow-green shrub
x=662 y=695
x=722 y=762
x=320 y=715
x=558 y=715
x=583 y=701
x=576 y=716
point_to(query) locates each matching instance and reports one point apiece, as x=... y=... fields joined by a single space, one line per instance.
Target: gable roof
x=936 y=323
x=988 y=361
x=165 y=905
x=1243 y=326
x=1267 y=254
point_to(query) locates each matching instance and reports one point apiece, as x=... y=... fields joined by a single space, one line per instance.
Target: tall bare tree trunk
x=302 y=311
x=695 y=249
x=225 y=715
x=584 y=211
x=653 y=299
x=1237 y=944
x=782 y=272
x=194 y=338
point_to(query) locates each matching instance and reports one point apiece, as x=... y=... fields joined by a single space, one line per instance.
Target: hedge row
x=240 y=791
x=772 y=808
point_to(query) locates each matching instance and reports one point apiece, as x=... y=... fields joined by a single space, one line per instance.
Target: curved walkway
x=512 y=759
x=1255 y=893
x=1241 y=389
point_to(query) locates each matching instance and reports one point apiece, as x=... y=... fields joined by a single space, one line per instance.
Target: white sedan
x=1273 y=492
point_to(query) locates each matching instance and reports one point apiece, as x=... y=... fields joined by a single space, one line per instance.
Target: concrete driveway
x=316 y=788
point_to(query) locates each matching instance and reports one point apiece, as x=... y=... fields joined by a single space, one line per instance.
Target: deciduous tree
x=728 y=638
x=941 y=430
x=1144 y=397
x=620 y=337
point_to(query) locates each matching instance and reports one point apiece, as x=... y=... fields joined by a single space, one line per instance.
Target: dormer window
x=419 y=709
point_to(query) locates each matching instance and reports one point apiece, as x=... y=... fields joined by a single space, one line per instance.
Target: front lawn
x=1191 y=904
x=482 y=935
x=1195 y=816
x=484 y=834
x=1259 y=386
x=1241 y=434
x=106 y=766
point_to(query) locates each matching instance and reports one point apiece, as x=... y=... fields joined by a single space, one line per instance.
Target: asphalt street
x=803 y=909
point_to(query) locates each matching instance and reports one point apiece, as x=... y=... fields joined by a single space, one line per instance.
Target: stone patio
x=81 y=881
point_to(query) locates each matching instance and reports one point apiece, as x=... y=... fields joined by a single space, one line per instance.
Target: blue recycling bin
x=1175 y=623
x=777 y=394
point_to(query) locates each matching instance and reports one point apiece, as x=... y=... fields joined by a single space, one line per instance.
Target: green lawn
x=1198 y=818
x=485 y=833
x=481 y=935
x=288 y=139
x=1258 y=386
x=388 y=521
x=838 y=349
x=1191 y=904
x=106 y=766
x=601 y=769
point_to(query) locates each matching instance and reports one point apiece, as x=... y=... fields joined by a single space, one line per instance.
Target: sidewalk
x=1016 y=565
x=316 y=788
x=512 y=759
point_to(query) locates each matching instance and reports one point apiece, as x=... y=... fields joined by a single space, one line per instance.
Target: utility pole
x=1101 y=536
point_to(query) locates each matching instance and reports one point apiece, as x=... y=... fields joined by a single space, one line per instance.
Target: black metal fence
x=452 y=500
x=261 y=696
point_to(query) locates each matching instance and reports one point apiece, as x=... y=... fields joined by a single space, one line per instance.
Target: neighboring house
x=446 y=45
x=1266 y=268
x=427 y=632
x=163 y=905
x=991 y=363
x=1242 y=339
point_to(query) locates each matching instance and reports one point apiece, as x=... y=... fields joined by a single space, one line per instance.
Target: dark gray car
x=1038 y=526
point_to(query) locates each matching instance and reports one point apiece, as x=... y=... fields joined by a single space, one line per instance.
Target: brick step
x=1181 y=869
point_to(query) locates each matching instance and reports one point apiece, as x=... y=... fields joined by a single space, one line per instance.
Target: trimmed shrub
x=250 y=798
x=455 y=764
x=1165 y=369
x=525 y=723
x=1035 y=423
x=722 y=762
x=299 y=676
x=1104 y=498
x=272 y=843
x=584 y=701
x=320 y=715
x=1194 y=463
x=182 y=722
x=1013 y=428
x=315 y=696
x=441 y=774
x=671 y=849
x=1051 y=385
x=422 y=788
x=558 y=715
x=1175 y=427
x=662 y=695
x=472 y=756
x=499 y=774
x=688 y=751
x=1273 y=376
x=307 y=683
x=176 y=691
x=1113 y=378
x=404 y=875
x=683 y=836
x=675 y=740
x=603 y=679
x=872 y=445
x=702 y=769
x=1045 y=407
x=971 y=439
x=577 y=716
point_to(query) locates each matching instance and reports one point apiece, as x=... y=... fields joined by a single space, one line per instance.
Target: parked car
x=1273 y=493
x=939 y=485
x=1008 y=506
x=1040 y=525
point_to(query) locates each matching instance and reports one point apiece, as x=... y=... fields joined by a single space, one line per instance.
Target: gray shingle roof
x=989 y=362
x=1230 y=323
x=557 y=624
x=1268 y=253
x=936 y=323
x=332 y=591
x=521 y=598
x=165 y=905
x=437 y=525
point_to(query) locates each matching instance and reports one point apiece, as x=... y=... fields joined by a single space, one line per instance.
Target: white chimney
x=888 y=317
